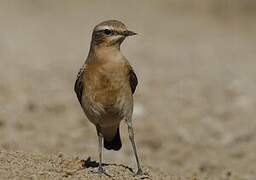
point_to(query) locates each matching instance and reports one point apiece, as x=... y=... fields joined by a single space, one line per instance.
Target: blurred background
x=195 y=104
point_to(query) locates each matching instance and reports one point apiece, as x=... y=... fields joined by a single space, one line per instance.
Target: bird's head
x=110 y=33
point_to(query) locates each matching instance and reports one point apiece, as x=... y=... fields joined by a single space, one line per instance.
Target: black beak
x=129 y=33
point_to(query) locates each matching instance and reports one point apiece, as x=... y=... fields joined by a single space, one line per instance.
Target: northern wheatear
x=105 y=86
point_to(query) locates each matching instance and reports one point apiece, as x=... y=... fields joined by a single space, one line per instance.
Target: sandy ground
x=195 y=104
x=20 y=165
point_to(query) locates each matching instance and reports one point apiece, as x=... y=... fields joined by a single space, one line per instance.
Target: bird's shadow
x=88 y=163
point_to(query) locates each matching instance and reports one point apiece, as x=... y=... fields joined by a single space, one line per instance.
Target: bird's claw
x=101 y=172
x=139 y=172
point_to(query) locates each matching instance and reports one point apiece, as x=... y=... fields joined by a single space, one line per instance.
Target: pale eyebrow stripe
x=104 y=27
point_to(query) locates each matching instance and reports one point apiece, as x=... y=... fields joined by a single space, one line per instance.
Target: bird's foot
x=101 y=172
x=141 y=174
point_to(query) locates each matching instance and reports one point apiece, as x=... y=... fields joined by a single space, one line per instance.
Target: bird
x=105 y=86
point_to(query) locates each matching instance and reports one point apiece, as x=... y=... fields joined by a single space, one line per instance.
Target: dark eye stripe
x=113 y=32
x=107 y=31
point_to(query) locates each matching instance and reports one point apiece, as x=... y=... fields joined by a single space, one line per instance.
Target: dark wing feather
x=79 y=85
x=133 y=80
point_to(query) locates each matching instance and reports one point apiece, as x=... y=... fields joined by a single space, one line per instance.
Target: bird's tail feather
x=115 y=143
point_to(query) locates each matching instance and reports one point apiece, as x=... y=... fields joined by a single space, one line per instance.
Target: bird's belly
x=107 y=97
x=104 y=116
x=107 y=107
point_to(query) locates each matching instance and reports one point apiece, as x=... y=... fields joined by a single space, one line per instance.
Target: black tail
x=115 y=143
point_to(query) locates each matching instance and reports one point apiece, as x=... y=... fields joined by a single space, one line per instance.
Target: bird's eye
x=107 y=31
